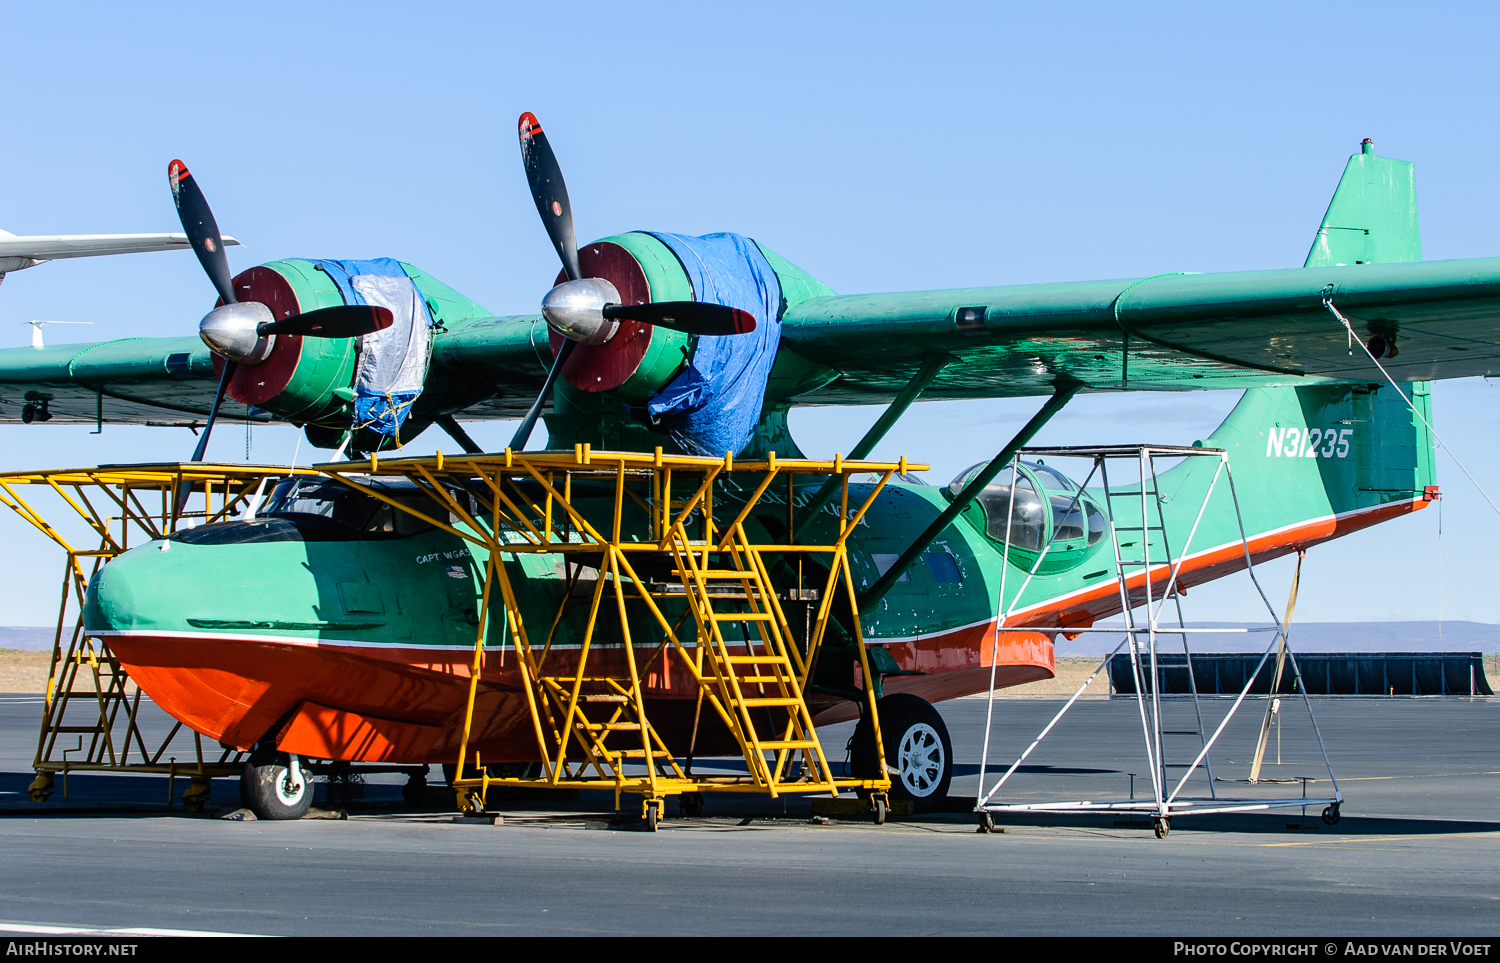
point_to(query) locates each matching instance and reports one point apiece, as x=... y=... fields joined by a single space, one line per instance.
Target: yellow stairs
x=754 y=681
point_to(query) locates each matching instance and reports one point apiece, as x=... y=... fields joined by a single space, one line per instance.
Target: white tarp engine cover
x=392 y=362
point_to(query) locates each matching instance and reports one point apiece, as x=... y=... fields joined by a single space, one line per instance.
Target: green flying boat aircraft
x=702 y=345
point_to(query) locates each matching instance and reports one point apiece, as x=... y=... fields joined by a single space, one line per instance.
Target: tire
x=415 y=790
x=266 y=788
x=916 y=744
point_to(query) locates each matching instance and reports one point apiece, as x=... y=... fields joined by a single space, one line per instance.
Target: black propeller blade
x=202 y=447
x=341 y=321
x=203 y=232
x=689 y=317
x=549 y=192
x=201 y=228
x=523 y=433
x=551 y=196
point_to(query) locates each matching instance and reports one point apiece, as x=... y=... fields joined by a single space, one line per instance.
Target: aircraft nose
x=113 y=599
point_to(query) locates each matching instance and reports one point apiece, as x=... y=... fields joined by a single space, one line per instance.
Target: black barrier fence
x=1324 y=673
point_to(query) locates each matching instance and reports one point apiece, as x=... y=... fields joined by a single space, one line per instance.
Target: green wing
x=1172 y=332
x=1239 y=330
x=482 y=368
x=168 y=381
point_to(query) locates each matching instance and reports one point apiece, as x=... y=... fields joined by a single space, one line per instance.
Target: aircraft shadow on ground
x=117 y=795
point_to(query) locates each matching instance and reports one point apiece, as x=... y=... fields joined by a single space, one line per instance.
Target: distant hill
x=26 y=637
x=1319 y=637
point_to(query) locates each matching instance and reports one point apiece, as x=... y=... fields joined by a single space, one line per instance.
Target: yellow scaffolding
x=589 y=713
x=648 y=528
x=89 y=698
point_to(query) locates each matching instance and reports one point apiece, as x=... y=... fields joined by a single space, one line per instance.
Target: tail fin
x=1372 y=218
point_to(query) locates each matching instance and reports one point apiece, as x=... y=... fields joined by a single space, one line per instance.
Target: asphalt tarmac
x=1414 y=854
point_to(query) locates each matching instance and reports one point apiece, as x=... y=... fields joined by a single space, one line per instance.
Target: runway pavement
x=1415 y=852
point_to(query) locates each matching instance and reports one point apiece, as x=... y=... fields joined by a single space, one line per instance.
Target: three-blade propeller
x=236 y=331
x=580 y=309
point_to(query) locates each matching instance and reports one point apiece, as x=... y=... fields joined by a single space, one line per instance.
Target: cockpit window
x=361 y=512
x=1028 y=517
x=1051 y=478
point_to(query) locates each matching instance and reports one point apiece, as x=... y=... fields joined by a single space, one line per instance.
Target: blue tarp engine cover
x=393 y=362
x=713 y=406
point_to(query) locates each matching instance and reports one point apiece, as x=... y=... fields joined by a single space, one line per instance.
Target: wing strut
x=450 y=424
x=931 y=366
x=1064 y=392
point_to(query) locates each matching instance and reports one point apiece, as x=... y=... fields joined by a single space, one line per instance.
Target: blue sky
x=882 y=147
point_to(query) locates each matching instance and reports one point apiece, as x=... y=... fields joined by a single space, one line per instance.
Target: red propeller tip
x=529 y=125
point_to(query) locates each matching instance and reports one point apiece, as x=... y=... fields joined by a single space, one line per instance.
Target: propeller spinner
x=245 y=333
x=588 y=310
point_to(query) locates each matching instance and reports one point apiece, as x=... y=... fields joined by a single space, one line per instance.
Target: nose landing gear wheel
x=273 y=786
x=1162 y=826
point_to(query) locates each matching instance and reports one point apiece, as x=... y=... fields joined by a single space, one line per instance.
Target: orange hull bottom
x=406 y=705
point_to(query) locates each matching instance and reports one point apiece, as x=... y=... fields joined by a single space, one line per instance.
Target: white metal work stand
x=1138 y=578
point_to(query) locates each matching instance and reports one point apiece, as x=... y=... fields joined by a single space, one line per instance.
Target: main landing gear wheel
x=917 y=748
x=274 y=786
x=1331 y=815
x=691 y=803
x=1162 y=826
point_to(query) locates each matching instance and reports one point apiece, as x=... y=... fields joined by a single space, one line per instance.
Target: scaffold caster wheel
x=40 y=789
x=274 y=786
x=880 y=808
x=1162 y=826
x=986 y=823
x=415 y=789
x=691 y=803
x=651 y=813
x=1331 y=815
x=195 y=796
x=469 y=801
